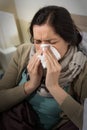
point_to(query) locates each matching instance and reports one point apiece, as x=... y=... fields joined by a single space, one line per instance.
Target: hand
x=35 y=72
x=53 y=69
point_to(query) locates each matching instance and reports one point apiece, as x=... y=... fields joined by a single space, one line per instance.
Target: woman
x=56 y=93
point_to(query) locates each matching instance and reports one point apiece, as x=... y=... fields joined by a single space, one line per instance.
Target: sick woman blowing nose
x=50 y=75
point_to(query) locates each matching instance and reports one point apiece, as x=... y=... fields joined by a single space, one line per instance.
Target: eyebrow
x=45 y=40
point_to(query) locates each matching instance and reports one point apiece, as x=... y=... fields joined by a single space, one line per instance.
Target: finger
x=33 y=60
x=36 y=67
x=50 y=52
x=32 y=65
x=35 y=55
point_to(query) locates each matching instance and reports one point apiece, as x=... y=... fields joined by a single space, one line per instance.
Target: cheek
x=37 y=47
x=62 y=49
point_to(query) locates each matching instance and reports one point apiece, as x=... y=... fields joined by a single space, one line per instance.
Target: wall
x=27 y=8
x=9 y=6
x=8 y=30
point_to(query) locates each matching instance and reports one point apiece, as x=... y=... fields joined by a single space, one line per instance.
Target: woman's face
x=45 y=34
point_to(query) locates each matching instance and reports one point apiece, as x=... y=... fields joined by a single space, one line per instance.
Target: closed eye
x=37 y=41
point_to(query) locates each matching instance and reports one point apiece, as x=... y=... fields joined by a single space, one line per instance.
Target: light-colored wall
x=27 y=8
x=9 y=6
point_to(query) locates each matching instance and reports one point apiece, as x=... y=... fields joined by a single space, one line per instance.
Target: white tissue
x=43 y=62
x=55 y=52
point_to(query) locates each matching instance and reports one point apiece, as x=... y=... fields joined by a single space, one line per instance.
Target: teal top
x=47 y=108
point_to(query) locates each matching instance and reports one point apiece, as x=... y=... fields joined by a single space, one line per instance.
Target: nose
x=43 y=42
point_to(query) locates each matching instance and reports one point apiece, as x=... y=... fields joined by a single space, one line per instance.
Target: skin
x=45 y=34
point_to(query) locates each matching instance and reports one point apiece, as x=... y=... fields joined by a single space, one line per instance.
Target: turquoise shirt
x=47 y=108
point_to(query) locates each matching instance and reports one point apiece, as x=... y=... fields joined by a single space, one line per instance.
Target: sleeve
x=72 y=108
x=10 y=94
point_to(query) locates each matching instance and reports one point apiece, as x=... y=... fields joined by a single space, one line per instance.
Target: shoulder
x=23 y=50
x=24 y=47
x=84 y=70
x=80 y=84
x=21 y=54
x=83 y=74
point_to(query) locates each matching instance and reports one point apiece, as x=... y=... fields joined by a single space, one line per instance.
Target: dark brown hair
x=60 y=20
